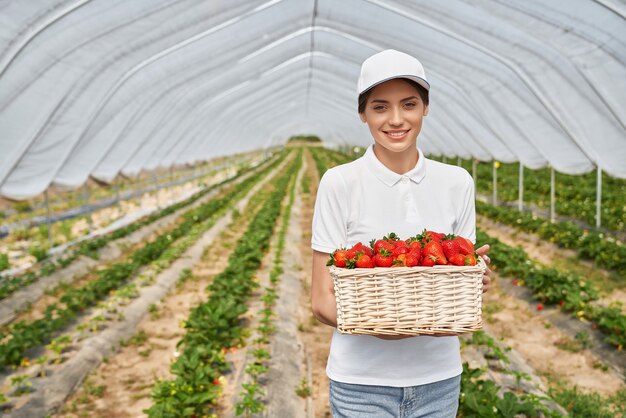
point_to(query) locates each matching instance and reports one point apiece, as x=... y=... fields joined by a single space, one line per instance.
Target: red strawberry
x=414 y=244
x=457 y=259
x=416 y=252
x=338 y=258
x=434 y=249
x=435 y=236
x=399 y=261
x=380 y=244
x=400 y=249
x=383 y=259
x=450 y=246
x=540 y=306
x=356 y=248
x=412 y=260
x=427 y=261
x=466 y=246
x=364 y=262
x=400 y=244
x=470 y=260
x=360 y=247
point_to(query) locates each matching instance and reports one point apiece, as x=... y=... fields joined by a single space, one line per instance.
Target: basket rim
x=480 y=265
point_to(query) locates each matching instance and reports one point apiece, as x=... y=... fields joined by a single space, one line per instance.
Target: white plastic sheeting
x=103 y=87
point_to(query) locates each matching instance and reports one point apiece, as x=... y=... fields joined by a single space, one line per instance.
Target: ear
x=426 y=110
x=362 y=117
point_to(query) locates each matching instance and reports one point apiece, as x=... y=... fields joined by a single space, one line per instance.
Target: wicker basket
x=409 y=300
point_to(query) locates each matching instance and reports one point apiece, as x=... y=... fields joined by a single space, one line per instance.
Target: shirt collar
x=390 y=178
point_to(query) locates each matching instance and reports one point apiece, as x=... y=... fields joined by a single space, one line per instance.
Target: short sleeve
x=466 y=220
x=329 y=228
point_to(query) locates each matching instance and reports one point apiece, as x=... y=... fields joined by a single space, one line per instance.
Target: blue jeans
x=434 y=400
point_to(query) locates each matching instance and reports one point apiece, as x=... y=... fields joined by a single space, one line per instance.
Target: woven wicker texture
x=409 y=300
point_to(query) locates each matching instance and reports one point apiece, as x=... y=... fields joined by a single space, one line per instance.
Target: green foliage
x=604 y=251
x=216 y=323
x=4 y=262
x=65 y=227
x=22 y=206
x=580 y=404
x=90 y=248
x=304 y=390
x=479 y=398
x=305 y=138
x=575 y=194
x=28 y=334
x=40 y=253
x=552 y=286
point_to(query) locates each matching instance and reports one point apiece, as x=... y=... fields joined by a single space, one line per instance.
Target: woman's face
x=394 y=112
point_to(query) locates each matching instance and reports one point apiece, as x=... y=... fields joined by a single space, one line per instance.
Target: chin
x=398 y=147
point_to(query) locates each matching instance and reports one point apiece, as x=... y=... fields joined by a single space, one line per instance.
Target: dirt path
x=314 y=335
x=128 y=376
x=549 y=254
x=549 y=351
x=124 y=211
x=31 y=301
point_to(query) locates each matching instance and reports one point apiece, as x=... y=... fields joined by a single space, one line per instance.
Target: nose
x=395 y=117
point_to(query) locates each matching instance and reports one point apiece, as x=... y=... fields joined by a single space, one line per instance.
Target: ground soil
x=315 y=335
x=148 y=202
x=518 y=325
x=128 y=377
x=121 y=386
x=550 y=254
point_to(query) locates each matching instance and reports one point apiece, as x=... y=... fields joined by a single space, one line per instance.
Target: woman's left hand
x=482 y=252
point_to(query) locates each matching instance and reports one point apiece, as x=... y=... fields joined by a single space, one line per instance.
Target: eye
x=379 y=107
x=410 y=104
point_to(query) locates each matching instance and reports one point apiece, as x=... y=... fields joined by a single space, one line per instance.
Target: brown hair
x=362 y=101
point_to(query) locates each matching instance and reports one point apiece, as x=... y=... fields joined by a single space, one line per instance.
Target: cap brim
x=418 y=80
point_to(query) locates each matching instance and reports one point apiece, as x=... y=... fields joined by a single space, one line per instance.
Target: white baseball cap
x=387 y=65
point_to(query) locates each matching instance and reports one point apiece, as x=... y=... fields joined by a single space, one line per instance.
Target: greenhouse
x=186 y=186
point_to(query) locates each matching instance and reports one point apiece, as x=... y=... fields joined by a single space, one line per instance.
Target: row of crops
x=74 y=216
x=575 y=196
x=38 y=340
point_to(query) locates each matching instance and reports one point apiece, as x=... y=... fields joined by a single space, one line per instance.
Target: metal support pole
x=88 y=207
x=520 y=199
x=48 y=220
x=599 y=199
x=495 y=183
x=552 y=199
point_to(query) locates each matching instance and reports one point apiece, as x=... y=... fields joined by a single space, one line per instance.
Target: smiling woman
x=393 y=187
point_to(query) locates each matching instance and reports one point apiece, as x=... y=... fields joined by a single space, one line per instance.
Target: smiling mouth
x=396 y=134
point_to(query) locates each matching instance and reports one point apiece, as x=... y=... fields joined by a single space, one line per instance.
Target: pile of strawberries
x=426 y=249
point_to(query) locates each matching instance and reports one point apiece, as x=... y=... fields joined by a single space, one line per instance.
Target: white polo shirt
x=362 y=200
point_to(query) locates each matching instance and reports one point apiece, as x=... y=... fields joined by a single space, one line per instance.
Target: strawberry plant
x=575 y=195
x=552 y=286
x=4 y=262
x=215 y=323
x=90 y=248
x=604 y=251
x=25 y=334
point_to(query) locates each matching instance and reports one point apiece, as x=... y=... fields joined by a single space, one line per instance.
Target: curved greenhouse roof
x=102 y=87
